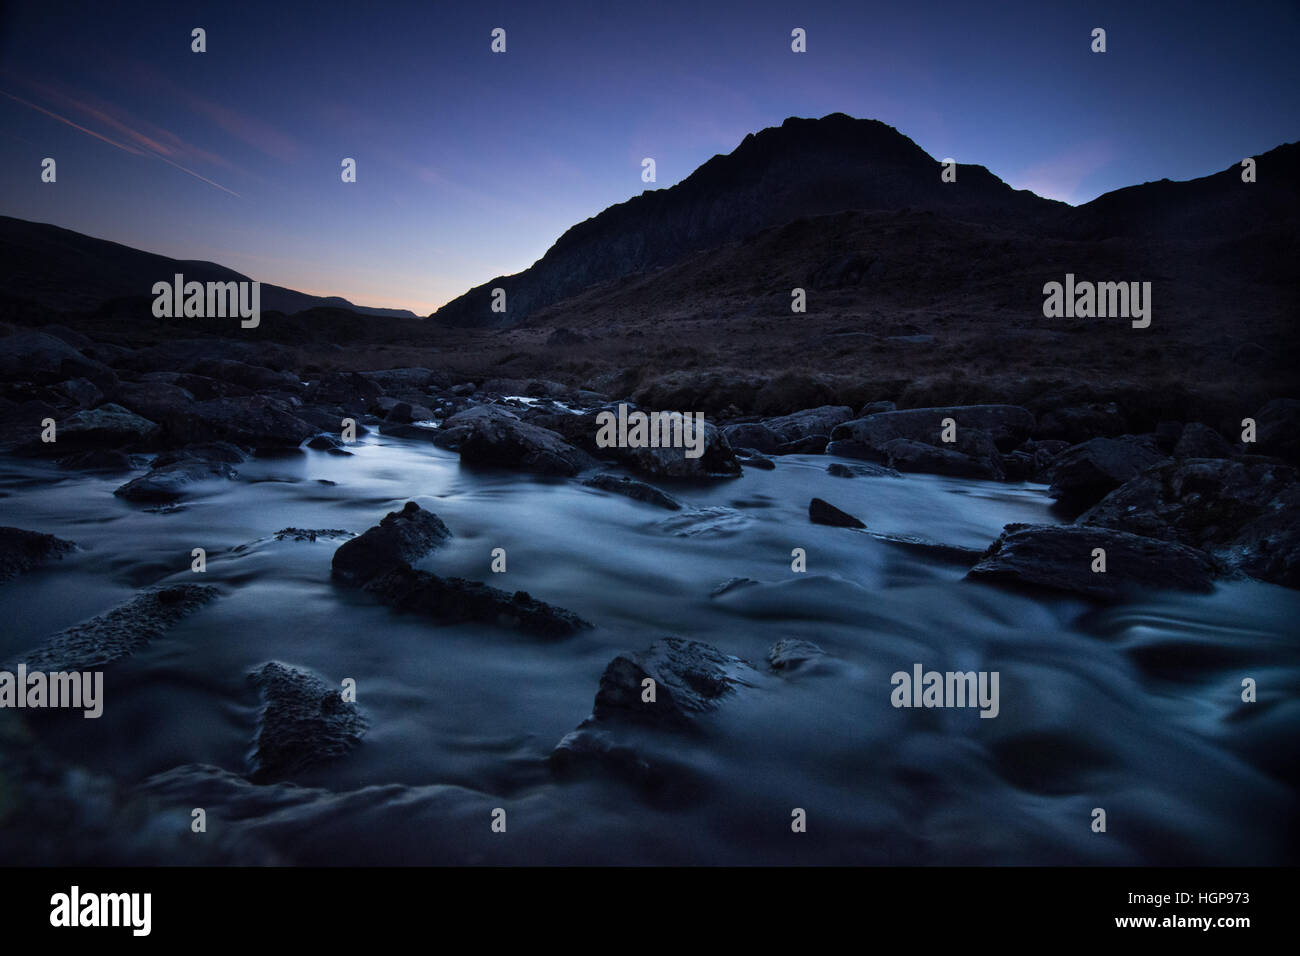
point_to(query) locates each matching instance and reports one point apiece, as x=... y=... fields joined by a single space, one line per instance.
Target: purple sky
x=471 y=164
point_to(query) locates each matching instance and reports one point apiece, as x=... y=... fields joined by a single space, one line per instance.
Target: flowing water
x=1135 y=709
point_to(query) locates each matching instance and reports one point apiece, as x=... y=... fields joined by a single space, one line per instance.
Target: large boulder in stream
x=1062 y=558
x=402 y=537
x=21 y=551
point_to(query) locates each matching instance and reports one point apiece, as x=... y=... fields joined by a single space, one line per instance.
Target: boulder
x=109 y=426
x=1243 y=512
x=790 y=654
x=253 y=421
x=173 y=482
x=503 y=440
x=717 y=461
x=1006 y=425
x=904 y=454
x=1084 y=474
x=1061 y=558
x=1277 y=430
x=401 y=538
x=821 y=512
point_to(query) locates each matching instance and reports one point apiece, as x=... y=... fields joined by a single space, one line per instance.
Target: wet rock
x=633 y=489
x=691 y=679
x=312 y=534
x=1201 y=441
x=399 y=539
x=324 y=443
x=812 y=445
x=21 y=551
x=753 y=435
x=871 y=408
x=821 y=512
x=791 y=654
x=1078 y=423
x=1244 y=512
x=455 y=600
x=173 y=482
x=304 y=721
x=750 y=458
x=403 y=413
x=865 y=470
x=1084 y=474
x=120 y=632
x=1061 y=558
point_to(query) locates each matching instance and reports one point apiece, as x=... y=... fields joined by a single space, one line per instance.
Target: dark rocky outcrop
x=1244 y=512
x=1201 y=441
x=21 y=551
x=252 y=421
x=822 y=512
x=1061 y=558
x=400 y=538
x=304 y=721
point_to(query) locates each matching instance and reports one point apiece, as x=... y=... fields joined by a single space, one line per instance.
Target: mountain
x=805 y=167
x=814 y=167
x=62 y=269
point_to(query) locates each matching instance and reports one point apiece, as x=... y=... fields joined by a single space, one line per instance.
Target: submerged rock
x=21 y=551
x=633 y=489
x=790 y=654
x=1061 y=557
x=454 y=600
x=400 y=538
x=822 y=512
x=120 y=632
x=864 y=470
x=304 y=721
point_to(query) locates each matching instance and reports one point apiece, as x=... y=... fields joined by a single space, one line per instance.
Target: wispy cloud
x=161 y=145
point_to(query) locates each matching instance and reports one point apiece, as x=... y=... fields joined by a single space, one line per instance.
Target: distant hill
x=65 y=270
x=808 y=168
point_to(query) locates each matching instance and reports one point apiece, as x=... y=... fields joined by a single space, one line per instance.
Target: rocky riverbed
x=498 y=588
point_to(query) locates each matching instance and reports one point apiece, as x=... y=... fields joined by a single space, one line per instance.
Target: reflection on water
x=1135 y=709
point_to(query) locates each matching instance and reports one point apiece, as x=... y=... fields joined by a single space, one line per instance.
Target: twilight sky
x=470 y=164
